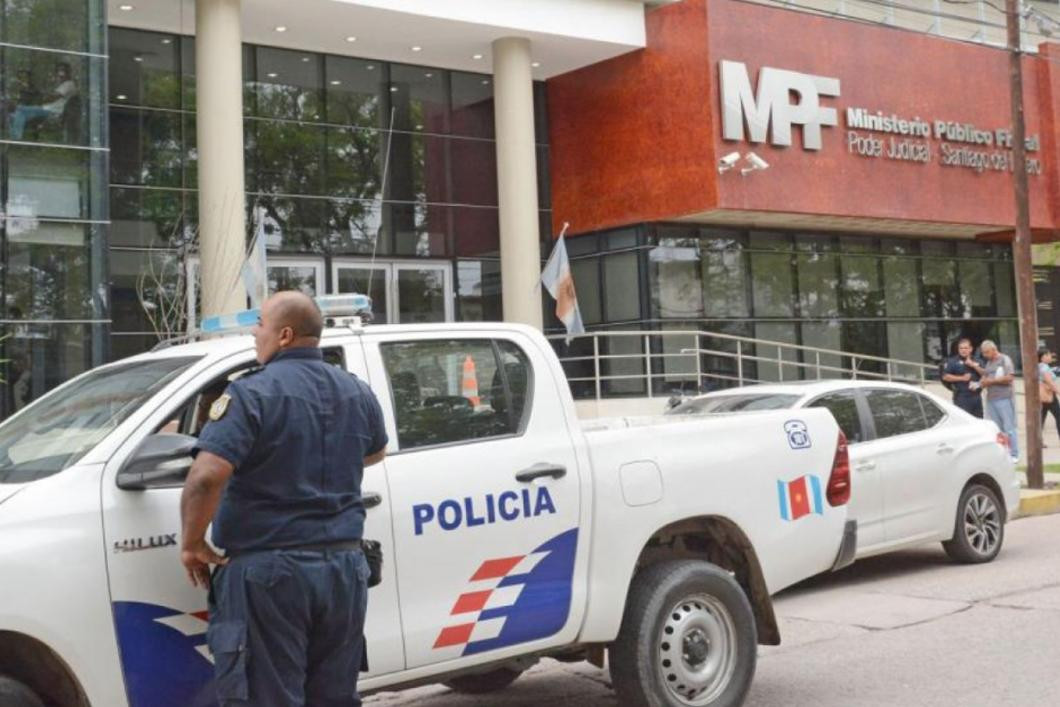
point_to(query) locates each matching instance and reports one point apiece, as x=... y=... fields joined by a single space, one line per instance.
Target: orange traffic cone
x=469 y=387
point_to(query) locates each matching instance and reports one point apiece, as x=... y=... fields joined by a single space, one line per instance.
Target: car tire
x=483 y=683
x=979 y=528
x=688 y=639
x=15 y=694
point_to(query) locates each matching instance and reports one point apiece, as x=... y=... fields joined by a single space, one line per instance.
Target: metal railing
x=648 y=363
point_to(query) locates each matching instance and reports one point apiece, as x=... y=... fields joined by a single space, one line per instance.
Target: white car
x=923 y=469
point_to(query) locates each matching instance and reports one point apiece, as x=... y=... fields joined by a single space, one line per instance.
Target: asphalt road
x=909 y=628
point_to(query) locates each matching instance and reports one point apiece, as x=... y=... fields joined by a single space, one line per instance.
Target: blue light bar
x=230 y=322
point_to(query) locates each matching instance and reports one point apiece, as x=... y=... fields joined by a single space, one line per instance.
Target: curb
x=1035 y=502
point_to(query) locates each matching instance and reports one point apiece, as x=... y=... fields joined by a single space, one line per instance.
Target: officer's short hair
x=301 y=313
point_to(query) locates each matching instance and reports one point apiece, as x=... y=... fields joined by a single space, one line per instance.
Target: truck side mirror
x=160 y=461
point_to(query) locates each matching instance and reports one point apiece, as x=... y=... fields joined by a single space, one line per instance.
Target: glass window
x=895 y=412
x=933 y=414
x=540 y=113
x=420 y=229
x=62 y=428
x=354 y=91
x=294 y=277
x=52 y=182
x=456 y=391
x=844 y=408
x=776 y=363
x=47 y=274
x=292 y=225
x=941 y=295
x=676 y=284
x=544 y=178
x=818 y=284
x=419 y=169
x=905 y=342
x=354 y=169
x=472 y=101
x=354 y=227
x=866 y=338
x=862 y=291
x=725 y=273
x=976 y=291
x=773 y=285
x=474 y=168
x=287 y=158
x=146 y=148
x=146 y=217
x=586 y=274
x=763 y=240
x=421 y=293
x=822 y=335
x=622 y=283
x=1005 y=287
x=148 y=292
x=901 y=287
x=53 y=98
x=476 y=231
x=76 y=25
x=479 y=290
x=419 y=99
x=38 y=357
x=288 y=84
x=144 y=68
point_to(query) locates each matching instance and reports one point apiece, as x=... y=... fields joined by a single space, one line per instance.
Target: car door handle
x=865 y=466
x=945 y=449
x=537 y=471
x=371 y=500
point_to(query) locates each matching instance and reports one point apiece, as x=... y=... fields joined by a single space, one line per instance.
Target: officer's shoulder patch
x=220 y=407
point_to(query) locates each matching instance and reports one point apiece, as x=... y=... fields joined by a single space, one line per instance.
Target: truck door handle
x=945 y=449
x=371 y=500
x=537 y=471
x=865 y=466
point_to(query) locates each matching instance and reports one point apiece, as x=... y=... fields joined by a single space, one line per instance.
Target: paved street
x=909 y=628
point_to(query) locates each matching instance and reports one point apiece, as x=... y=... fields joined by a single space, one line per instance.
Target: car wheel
x=484 y=682
x=15 y=694
x=979 y=528
x=688 y=639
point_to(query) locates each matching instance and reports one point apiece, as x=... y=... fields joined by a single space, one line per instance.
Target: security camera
x=728 y=162
x=756 y=162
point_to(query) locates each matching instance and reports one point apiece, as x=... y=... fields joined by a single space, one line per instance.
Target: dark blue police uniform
x=287 y=611
x=964 y=397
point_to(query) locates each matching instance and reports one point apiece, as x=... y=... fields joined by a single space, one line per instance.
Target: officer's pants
x=286 y=628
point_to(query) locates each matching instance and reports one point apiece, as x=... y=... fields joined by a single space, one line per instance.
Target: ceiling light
x=272 y=74
x=419 y=127
x=167 y=40
x=370 y=67
x=281 y=28
x=138 y=58
x=121 y=97
x=535 y=64
x=351 y=38
x=305 y=60
x=336 y=82
x=125 y=8
x=393 y=89
x=476 y=57
x=417 y=49
x=485 y=82
x=428 y=75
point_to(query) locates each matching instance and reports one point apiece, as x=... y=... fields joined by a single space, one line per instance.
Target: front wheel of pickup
x=688 y=639
x=15 y=694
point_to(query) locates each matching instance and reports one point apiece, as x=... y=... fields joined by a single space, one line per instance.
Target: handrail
x=790 y=360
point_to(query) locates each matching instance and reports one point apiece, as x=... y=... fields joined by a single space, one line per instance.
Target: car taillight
x=1002 y=439
x=839 y=481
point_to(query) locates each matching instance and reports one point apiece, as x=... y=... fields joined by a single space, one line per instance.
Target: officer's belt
x=342 y=546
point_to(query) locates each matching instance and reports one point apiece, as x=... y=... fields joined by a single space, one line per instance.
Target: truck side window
x=453 y=390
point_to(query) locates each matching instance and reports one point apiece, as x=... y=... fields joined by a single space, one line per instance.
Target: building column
x=517 y=181
x=219 y=104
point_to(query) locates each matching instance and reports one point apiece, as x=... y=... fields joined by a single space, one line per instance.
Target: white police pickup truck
x=511 y=531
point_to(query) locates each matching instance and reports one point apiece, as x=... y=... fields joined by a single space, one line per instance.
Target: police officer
x=963 y=373
x=287 y=445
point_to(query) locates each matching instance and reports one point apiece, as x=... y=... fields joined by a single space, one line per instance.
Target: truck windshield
x=55 y=433
x=735 y=403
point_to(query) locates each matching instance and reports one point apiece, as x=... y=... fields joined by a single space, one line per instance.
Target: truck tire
x=15 y=694
x=978 y=529
x=483 y=683
x=688 y=639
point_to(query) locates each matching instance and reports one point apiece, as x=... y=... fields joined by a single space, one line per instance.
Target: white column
x=517 y=180
x=219 y=104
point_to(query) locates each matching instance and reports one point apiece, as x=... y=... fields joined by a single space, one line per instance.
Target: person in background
x=964 y=379
x=65 y=89
x=996 y=377
x=1047 y=389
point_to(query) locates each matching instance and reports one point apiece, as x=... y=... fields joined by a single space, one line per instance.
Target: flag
x=255 y=272
x=557 y=279
x=800 y=497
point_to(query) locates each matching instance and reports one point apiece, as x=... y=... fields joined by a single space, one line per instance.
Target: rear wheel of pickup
x=484 y=682
x=979 y=528
x=688 y=639
x=15 y=694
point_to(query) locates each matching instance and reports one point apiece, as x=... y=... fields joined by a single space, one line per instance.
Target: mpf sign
x=772 y=106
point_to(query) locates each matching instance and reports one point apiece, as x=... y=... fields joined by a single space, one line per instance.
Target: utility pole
x=1021 y=254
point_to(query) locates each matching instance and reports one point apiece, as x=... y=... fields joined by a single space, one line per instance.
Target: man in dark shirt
x=286 y=445
x=963 y=378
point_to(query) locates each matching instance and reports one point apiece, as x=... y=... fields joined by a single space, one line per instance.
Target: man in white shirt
x=65 y=89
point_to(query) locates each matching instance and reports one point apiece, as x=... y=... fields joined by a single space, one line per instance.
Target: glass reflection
x=50 y=97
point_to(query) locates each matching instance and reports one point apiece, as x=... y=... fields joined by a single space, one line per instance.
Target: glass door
x=401 y=292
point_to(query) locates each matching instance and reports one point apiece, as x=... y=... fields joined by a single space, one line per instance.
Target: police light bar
x=331 y=306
